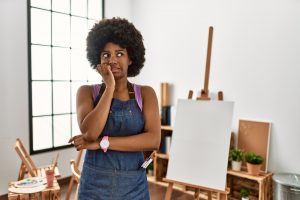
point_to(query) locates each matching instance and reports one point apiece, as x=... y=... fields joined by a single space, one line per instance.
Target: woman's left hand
x=80 y=143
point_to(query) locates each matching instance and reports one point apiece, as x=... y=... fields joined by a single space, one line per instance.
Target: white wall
x=255 y=60
x=118 y=8
x=14 y=118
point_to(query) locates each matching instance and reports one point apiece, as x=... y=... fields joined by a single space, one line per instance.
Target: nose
x=112 y=59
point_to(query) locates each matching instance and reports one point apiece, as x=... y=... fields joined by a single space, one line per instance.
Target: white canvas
x=200 y=143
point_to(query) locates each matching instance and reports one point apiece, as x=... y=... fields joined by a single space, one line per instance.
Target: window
x=57 y=67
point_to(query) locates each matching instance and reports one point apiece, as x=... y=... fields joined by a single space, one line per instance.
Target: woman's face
x=117 y=58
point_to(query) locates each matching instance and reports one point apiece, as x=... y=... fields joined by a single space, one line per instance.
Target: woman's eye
x=105 y=55
x=119 y=54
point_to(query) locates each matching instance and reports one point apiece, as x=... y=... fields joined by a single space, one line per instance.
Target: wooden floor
x=157 y=192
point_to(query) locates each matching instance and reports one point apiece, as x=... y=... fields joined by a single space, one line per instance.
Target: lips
x=115 y=69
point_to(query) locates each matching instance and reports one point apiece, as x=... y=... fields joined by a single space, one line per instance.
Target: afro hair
x=121 y=32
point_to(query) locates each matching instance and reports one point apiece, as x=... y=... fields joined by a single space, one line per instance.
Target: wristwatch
x=104 y=143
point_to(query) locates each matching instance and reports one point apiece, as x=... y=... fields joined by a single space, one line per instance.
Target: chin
x=118 y=76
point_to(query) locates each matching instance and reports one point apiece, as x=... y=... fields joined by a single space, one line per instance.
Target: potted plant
x=244 y=194
x=236 y=156
x=254 y=163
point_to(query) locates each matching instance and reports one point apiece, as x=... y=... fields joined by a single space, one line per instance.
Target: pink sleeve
x=96 y=89
x=138 y=95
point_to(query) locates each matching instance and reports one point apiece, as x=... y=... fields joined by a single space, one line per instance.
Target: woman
x=118 y=120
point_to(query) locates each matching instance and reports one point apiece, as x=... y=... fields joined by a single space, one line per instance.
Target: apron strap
x=130 y=90
x=102 y=88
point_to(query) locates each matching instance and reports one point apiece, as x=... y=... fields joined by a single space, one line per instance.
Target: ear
x=130 y=62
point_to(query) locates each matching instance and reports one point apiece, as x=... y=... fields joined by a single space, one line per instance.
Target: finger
x=108 y=67
x=77 y=143
x=74 y=138
x=80 y=140
x=98 y=68
x=105 y=68
x=79 y=147
x=71 y=139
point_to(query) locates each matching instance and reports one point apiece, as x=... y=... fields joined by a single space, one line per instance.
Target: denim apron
x=116 y=175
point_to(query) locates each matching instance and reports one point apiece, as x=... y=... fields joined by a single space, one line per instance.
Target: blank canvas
x=200 y=143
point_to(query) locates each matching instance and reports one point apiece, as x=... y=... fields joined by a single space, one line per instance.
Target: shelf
x=166 y=128
x=162 y=155
x=160 y=159
x=151 y=179
x=244 y=174
x=259 y=186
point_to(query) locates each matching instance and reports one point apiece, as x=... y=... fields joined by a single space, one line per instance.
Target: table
x=52 y=193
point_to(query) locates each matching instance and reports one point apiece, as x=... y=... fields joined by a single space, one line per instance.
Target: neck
x=121 y=85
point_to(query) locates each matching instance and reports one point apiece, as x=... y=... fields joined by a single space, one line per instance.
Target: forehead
x=112 y=47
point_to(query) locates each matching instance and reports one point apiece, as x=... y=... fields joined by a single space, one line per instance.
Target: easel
x=204 y=96
x=28 y=167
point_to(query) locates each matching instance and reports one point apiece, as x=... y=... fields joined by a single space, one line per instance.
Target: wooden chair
x=75 y=175
x=28 y=167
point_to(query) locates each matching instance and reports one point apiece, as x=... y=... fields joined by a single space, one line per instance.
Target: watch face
x=104 y=144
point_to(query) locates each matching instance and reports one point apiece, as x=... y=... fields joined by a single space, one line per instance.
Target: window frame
x=30 y=80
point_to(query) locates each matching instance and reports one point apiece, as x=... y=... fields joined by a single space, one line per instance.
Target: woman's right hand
x=104 y=70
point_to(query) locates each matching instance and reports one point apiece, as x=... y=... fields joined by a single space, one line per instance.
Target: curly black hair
x=121 y=32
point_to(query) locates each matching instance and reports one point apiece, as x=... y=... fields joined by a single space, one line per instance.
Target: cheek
x=125 y=67
x=124 y=63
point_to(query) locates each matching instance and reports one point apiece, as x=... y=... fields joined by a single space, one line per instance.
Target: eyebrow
x=118 y=50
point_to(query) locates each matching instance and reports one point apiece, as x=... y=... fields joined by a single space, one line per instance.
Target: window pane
x=79 y=7
x=62 y=129
x=93 y=75
x=61 y=5
x=42 y=132
x=40 y=62
x=61 y=30
x=61 y=97
x=40 y=26
x=75 y=86
x=79 y=64
x=61 y=63
x=41 y=98
x=95 y=9
x=91 y=24
x=75 y=127
x=46 y=4
x=78 y=32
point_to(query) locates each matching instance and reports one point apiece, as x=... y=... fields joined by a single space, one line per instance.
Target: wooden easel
x=28 y=167
x=204 y=96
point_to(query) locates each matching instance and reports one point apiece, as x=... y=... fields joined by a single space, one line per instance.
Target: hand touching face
x=104 y=70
